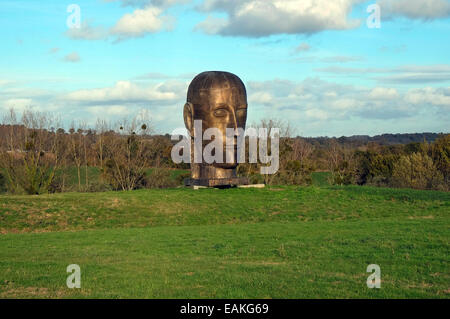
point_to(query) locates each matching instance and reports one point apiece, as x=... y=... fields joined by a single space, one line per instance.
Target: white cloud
x=115 y=110
x=316 y=100
x=314 y=106
x=162 y=100
x=19 y=104
x=163 y=76
x=415 y=9
x=140 y=22
x=257 y=18
x=145 y=3
x=380 y=93
x=212 y=25
x=431 y=96
x=341 y=59
x=260 y=97
x=87 y=32
x=53 y=50
x=344 y=104
x=401 y=75
x=327 y=59
x=316 y=114
x=72 y=57
x=5 y=82
x=125 y=92
x=303 y=47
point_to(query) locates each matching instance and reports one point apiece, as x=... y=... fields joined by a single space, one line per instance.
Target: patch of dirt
x=421 y=217
x=12 y=291
x=257 y=263
x=115 y=202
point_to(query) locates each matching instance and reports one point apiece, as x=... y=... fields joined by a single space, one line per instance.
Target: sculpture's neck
x=202 y=171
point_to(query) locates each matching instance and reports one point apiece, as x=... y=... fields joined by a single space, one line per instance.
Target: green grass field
x=277 y=242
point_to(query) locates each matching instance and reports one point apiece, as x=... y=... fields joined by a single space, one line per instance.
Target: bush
x=296 y=173
x=127 y=158
x=417 y=171
x=2 y=183
x=98 y=186
x=373 y=168
x=31 y=175
x=161 y=178
x=56 y=186
x=181 y=177
x=440 y=153
x=291 y=178
x=124 y=177
x=343 y=174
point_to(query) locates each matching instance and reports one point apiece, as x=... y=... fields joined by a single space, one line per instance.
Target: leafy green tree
x=440 y=153
x=417 y=170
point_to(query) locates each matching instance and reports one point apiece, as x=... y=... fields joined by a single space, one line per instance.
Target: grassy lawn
x=95 y=179
x=321 y=178
x=277 y=242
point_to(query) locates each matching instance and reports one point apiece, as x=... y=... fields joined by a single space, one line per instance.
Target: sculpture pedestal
x=217 y=182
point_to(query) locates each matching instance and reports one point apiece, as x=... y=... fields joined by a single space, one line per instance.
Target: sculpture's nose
x=235 y=126
x=234 y=121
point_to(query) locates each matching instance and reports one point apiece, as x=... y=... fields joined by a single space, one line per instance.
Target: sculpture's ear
x=188 y=114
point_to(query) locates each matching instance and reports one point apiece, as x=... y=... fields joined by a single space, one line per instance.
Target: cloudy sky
x=315 y=63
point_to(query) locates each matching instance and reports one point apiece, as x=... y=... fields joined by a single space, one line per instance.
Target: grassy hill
x=277 y=242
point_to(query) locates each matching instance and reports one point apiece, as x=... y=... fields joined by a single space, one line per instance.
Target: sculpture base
x=217 y=182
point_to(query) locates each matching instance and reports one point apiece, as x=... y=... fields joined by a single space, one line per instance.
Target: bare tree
x=101 y=127
x=76 y=146
x=128 y=154
x=302 y=150
x=341 y=163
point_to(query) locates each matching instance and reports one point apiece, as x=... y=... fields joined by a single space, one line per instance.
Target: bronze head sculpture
x=219 y=100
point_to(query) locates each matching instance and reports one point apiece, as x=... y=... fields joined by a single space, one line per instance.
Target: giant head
x=219 y=100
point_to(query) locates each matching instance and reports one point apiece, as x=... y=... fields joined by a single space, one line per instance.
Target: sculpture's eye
x=221 y=112
x=241 y=112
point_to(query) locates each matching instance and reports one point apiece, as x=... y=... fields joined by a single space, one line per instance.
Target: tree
x=76 y=150
x=417 y=170
x=341 y=163
x=33 y=158
x=440 y=153
x=101 y=127
x=128 y=155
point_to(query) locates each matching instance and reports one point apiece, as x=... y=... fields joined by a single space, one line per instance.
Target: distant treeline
x=383 y=139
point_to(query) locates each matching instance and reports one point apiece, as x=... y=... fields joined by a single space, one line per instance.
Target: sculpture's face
x=222 y=109
x=221 y=105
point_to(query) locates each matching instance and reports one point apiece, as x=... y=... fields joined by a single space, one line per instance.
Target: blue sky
x=313 y=62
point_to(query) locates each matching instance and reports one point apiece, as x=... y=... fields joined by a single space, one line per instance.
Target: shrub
x=373 y=168
x=127 y=158
x=296 y=173
x=161 y=178
x=98 y=186
x=440 y=153
x=33 y=156
x=343 y=174
x=32 y=175
x=124 y=177
x=2 y=183
x=417 y=171
x=181 y=177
